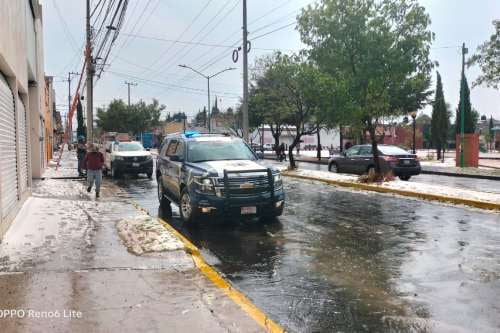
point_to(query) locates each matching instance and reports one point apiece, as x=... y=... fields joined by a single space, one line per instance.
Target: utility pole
x=244 y=106
x=462 y=108
x=130 y=84
x=90 y=77
x=69 y=89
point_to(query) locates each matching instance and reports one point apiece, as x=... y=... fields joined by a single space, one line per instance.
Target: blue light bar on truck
x=191 y=134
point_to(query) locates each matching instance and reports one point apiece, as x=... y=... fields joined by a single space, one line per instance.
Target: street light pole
x=208 y=77
x=414 y=116
x=209 y=112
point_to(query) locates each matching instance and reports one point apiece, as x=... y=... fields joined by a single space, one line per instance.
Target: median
x=477 y=199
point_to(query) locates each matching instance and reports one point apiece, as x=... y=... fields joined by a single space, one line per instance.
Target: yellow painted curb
x=238 y=297
x=380 y=189
x=214 y=276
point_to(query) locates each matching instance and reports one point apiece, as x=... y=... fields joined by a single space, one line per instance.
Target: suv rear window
x=200 y=151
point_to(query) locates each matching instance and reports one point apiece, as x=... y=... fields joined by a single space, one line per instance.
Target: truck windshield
x=200 y=151
x=129 y=146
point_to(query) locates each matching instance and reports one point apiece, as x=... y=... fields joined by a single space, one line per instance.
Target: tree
x=215 y=108
x=178 y=117
x=491 y=133
x=139 y=117
x=379 y=50
x=201 y=118
x=470 y=116
x=302 y=92
x=81 y=129
x=488 y=59
x=264 y=103
x=440 y=119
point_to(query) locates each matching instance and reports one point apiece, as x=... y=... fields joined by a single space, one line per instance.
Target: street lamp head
x=183 y=66
x=413 y=114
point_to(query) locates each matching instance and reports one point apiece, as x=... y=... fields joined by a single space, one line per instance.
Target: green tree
x=470 y=116
x=440 y=119
x=139 y=117
x=201 y=118
x=378 y=50
x=488 y=59
x=81 y=129
x=303 y=92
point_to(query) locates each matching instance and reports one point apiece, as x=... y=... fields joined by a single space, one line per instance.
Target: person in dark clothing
x=81 y=150
x=282 y=152
x=94 y=161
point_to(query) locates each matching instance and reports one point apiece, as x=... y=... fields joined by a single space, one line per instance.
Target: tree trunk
x=290 y=152
x=438 y=150
x=276 y=144
x=376 y=160
x=341 y=139
x=318 y=146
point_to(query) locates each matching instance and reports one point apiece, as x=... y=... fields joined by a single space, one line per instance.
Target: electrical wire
x=65 y=26
x=181 y=35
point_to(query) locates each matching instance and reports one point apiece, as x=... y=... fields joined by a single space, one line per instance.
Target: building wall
x=21 y=62
x=328 y=138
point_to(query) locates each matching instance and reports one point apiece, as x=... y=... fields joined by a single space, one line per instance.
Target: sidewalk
x=489 y=169
x=64 y=259
x=477 y=199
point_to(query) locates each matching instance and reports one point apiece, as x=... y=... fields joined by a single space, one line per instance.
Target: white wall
x=22 y=63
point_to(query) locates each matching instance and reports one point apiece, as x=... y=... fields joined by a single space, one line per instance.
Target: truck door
x=176 y=168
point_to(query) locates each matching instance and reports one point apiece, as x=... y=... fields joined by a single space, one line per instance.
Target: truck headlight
x=204 y=184
x=119 y=158
x=278 y=182
x=149 y=157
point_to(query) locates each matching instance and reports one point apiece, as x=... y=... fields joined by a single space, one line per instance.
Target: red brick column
x=471 y=150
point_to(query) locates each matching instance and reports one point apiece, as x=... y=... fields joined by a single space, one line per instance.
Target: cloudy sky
x=207 y=32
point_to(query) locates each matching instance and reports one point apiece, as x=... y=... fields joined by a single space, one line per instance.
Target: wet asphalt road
x=483 y=185
x=347 y=261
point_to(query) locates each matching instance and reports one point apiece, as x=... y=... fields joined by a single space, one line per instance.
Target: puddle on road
x=345 y=261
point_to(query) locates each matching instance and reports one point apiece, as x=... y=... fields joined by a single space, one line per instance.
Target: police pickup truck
x=127 y=157
x=216 y=174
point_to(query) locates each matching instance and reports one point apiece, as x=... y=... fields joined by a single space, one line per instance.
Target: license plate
x=135 y=165
x=248 y=210
x=407 y=162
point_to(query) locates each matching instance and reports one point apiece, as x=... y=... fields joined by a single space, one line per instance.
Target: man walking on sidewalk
x=94 y=161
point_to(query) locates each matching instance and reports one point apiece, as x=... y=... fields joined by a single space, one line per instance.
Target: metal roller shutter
x=23 y=146
x=8 y=162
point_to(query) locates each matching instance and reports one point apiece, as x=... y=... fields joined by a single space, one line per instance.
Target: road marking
x=218 y=280
x=426 y=196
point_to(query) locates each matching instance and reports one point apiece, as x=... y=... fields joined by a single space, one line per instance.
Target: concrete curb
x=218 y=280
x=380 y=189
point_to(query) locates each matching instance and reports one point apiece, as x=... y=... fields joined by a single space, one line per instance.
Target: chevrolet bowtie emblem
x=247 y=185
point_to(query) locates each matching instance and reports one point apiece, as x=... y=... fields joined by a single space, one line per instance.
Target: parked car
x=359 y=160
x=127 y=157
x=216 y=174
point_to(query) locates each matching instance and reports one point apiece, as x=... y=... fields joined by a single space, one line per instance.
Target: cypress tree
x=469 y=118
x=81 y=129
x=439 y=121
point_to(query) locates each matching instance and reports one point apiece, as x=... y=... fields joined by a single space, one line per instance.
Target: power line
x=65 y=26
x=175 y=58
x=172 y=86
x=181 y=35
x=275 y=30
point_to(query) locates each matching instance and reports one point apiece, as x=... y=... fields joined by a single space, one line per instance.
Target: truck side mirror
x=108 y=150
x=260 y=155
